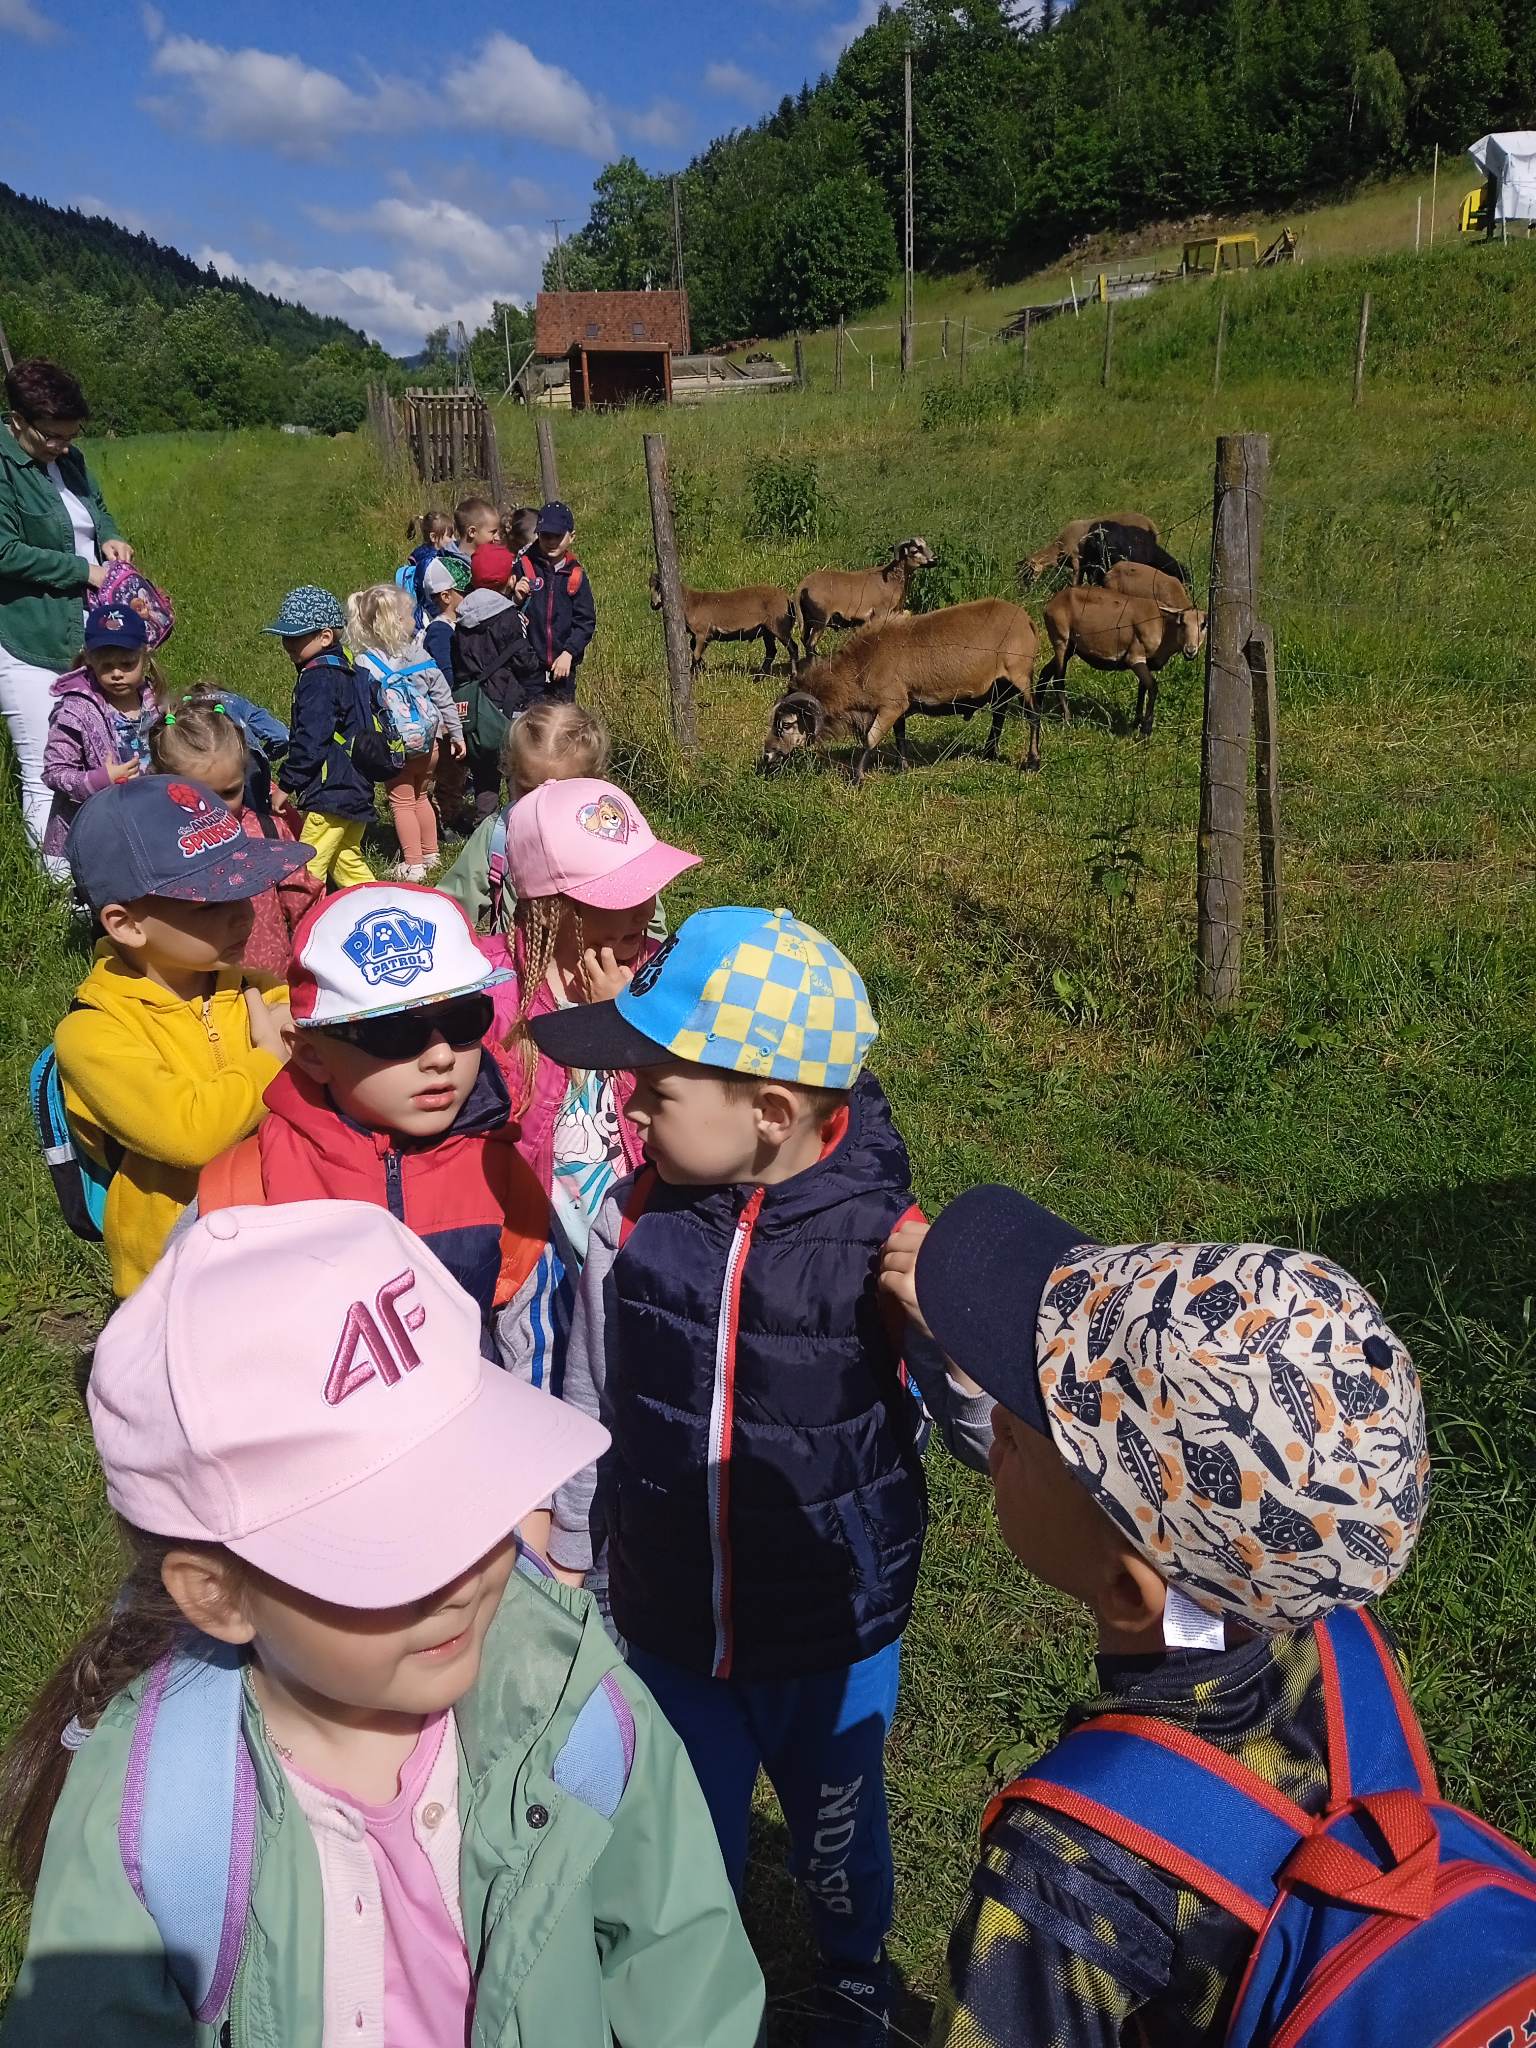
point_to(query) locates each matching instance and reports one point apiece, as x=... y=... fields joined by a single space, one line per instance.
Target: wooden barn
x=619 y=345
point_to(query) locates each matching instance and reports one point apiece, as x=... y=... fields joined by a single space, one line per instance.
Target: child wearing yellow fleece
x=168 y=1045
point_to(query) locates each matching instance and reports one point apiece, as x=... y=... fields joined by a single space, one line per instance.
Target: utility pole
x=507 y=339
x=677 y=241
x=559 y=252
x=908 y=336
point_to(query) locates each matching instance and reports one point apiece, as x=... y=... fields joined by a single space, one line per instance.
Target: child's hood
x=117 y=989
x=77 y=682
x=481 y=606
x=304 y=1104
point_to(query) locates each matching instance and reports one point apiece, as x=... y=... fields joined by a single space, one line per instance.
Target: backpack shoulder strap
x=1375 y=1743
x=234 y=1180
x=1179 y=1802
x=188 y=1824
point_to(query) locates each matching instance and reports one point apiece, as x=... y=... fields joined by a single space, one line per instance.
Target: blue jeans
x=821 y=1739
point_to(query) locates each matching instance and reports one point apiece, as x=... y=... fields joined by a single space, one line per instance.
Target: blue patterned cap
x=309 y=609
x=751 y=991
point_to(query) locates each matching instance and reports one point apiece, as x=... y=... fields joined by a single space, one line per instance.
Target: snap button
x=538 y=1816
x=222 y=1224
x=358 y=2019
x=431 y=1815
x=357 y=1904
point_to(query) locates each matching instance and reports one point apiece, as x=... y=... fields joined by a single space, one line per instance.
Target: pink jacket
x=536 y=1138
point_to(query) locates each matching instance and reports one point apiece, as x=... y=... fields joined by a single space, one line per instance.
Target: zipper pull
x=208 y=1025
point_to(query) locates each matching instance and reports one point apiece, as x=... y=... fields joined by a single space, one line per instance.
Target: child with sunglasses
x=388 y=1099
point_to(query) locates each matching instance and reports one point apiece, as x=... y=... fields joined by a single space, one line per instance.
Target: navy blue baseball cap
x=160 y=835
x=556 y=518
x=981 y=1277
x=115 y=625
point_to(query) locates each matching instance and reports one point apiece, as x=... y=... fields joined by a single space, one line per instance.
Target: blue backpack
x=410 y=710
x=188 y=1823
x=79 y=1181
x=409 y=577
x=1391 y=1918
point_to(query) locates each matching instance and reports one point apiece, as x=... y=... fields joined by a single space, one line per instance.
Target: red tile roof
x=611 y=320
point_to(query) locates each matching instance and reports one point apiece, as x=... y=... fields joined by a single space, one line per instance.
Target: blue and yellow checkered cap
x=755 y=992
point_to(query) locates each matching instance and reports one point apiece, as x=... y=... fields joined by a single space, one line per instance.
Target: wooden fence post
x=1237 y=532
x=799 y=362
x=965 y=332
x=490 y=453
x=1365 y=326
x=456 y=440
x=1266 y=776
x=1029 y=321
x=1109 y=341
x=1221 y=345
x=944 y=339
x=908 y=346
x=685 y=728
x=549 y=476
x=871 y=369
x=5 y=350
x=837 y=361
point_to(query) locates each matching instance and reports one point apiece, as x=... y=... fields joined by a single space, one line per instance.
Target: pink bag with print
x=124 y=585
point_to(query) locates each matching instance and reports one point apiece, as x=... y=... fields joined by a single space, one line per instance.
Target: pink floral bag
x=126 y=586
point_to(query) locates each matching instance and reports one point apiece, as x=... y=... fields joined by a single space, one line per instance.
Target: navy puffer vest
x=764 y=1497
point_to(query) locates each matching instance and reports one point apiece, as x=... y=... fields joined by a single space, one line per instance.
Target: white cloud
x=837 y=38
x=734 y=82
x=449 y=265
x=663 y=124
x=258 y=96
x=153 y=21
x=23 y=19
x=126 y=216
x=504 y=86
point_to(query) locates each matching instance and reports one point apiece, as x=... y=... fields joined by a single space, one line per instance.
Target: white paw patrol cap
x=587 y=840
x=379 y=947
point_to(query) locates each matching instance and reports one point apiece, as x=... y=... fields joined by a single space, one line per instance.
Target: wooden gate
x=451 y=435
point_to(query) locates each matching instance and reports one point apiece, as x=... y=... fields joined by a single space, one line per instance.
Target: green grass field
x=1373 y=1096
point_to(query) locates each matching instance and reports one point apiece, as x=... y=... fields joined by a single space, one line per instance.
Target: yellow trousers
x=336 y=842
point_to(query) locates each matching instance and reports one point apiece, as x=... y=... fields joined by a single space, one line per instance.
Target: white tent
x=1510 y=161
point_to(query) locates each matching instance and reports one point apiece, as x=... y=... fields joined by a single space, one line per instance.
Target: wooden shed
x=619 y=345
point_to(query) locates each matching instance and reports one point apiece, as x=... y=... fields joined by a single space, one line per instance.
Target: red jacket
x=467 y=1194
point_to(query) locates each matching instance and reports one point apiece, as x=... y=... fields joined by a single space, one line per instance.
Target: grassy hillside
x=1374 y=1096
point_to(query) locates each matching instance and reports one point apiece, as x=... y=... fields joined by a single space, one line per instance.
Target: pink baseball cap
x=587 y=840
x=352 y=1443
x=379 y=947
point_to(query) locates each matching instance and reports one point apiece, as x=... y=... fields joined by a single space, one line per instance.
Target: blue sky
x=395 y=162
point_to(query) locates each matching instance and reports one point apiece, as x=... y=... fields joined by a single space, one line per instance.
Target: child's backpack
x=126 y=586
x=187 y=1828
x=496 y=866
x=1393 y=1917
x=410 y=577
x=411 y=711
x=377 y=750
x=79 y=1182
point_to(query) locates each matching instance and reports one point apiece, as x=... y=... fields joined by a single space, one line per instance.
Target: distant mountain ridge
x=41 y=244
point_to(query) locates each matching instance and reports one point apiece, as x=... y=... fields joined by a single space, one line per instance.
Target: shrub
x=695 y=504
x=965 y=569
x=786 y=499
x=978 y=404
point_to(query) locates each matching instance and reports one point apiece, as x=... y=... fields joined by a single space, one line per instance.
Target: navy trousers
x=821 y=1739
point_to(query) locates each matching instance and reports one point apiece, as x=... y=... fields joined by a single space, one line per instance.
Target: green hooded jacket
x=581 y=1931
x=42 y=580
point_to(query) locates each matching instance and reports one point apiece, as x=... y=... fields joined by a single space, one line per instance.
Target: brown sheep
x=1062 y=552
x=968 y=658
x=1111 y=631
x=1140 y=579
x=756 y=609
x=859 y=597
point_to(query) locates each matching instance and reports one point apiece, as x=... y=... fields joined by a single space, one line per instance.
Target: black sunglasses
x=406 y=1034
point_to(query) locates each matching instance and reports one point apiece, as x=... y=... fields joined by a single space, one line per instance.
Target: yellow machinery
x=1478 y=209
x=1220 y=252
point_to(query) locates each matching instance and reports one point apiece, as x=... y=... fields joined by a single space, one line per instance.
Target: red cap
x=490 y=567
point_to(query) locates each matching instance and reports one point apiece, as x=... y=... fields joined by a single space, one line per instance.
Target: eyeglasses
x=39 y=434
x=407 y=1033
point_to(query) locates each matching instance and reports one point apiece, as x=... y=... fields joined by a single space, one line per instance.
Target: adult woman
x=56 y=536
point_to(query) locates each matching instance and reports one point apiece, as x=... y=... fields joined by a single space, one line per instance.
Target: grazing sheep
x=1063 y=551
x=1109 y=543
x=759 y=609
x=859 y=597
x=967 y=658
x=1112 y=631
x=1139 y=579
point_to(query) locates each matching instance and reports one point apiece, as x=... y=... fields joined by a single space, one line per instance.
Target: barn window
x=637 y=331
x=593 y=330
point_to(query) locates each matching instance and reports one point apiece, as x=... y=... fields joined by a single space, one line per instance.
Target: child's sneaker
x=851 y=2007
x=405 y=871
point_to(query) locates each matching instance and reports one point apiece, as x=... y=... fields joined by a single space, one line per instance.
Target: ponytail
x=144 y=1624
x=539 y=919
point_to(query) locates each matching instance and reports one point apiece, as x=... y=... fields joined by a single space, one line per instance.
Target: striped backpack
x=1393 y=1917
x=187 y=1828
